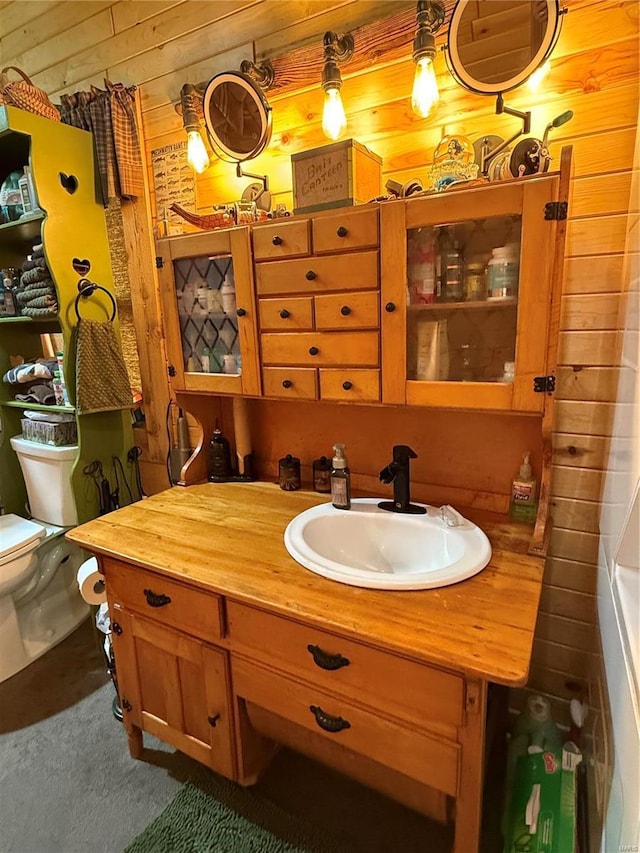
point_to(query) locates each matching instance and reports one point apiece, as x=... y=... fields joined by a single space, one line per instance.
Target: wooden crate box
x=336 y=175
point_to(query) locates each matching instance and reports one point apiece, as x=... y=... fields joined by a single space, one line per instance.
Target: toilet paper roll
x=91 y=582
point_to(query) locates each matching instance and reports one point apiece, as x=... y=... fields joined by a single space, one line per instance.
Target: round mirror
x=237 y=116
x=495 y=45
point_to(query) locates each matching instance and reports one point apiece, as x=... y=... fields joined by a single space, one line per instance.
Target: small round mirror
x=237 y=116
x=495 y=45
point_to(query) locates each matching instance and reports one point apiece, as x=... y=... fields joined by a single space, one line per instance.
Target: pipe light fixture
x=196 y=151
x=430 y=17
x=336 y=49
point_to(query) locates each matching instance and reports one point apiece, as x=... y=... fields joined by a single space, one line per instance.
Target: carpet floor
x=67 y=782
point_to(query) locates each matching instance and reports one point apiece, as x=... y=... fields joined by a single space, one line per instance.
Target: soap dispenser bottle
x=524 y=493
x=340 y=479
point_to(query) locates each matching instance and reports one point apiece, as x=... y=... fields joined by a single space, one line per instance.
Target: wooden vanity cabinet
x=466 y=346
x=173 y=681
x=226 y=647
x=199 y=331
x=318 y=291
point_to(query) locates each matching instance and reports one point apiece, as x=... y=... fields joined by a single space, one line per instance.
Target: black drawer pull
x=390 y=307
x=345 y=310
x=277 y=241
x=213 y=720
x=116 y=628
x=287 y=383
x=313 y=350
x=347 y=385
x=284 y=313
x=241 y=312
x=342 y=231
x=310 y=275
x=155 y=599
x=325 y=660
x=127 y=706
x=327 y=722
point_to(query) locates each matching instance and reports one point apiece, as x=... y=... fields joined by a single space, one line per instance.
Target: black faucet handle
x=387 y=474
x=402 y=453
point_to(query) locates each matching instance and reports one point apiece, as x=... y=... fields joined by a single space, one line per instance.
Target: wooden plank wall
x=66 y=46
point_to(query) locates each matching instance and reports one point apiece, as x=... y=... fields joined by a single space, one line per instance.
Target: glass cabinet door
x=208 y=306
x=467 y=277
x=206 y=299
x=462 y=300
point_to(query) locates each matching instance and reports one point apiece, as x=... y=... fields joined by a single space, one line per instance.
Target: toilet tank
x=47 y=476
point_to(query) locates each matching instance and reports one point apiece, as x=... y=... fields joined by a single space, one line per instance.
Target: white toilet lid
x=17 y=535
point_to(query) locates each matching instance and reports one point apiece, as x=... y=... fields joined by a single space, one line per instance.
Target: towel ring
x=86 y=288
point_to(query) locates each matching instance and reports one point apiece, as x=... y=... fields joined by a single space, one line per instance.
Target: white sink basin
x=371 y=547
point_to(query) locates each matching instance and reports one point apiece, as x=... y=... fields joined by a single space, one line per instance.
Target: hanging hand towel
x=102 y=382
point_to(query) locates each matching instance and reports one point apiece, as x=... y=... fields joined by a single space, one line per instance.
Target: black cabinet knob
x=390 y=307
x=347 y=385
x=284 y=314
x=345 y=310
x=287 y=383
x=277 y=241
x=342 y=231
x=241 y=312
x=313 y=350
x=310 y=275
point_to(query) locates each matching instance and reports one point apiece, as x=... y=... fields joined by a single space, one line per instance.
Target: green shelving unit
x=72 y=227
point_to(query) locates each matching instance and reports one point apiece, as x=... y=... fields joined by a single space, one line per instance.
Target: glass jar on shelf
x=475 y=281
x=449 y=268
x=502 y=273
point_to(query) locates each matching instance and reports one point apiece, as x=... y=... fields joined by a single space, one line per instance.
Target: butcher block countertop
x=229 y=539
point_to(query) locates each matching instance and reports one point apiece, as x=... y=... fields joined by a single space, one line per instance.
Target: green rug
x=221 y=817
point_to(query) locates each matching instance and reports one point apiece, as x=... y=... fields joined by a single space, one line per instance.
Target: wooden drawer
x=350 y=384
x=416 y=692
x=281 y=240
x=355 y=271
x=430 y=760
x=168 y=602
x=286 y=313
x=347 y=311
x=299 y=383
x=352 y=229
x=321 y=348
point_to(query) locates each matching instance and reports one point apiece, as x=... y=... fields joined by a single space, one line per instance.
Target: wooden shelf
x=22 y=229
x=36 y=407
x=484 y=304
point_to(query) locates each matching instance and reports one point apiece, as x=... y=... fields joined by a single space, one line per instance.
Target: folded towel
x=28 y=311
x=30 y=371
x=102 y=382
x=25 y=297
x=50 y=417
x=36 y=274
x=42 y=394
x=34 y=263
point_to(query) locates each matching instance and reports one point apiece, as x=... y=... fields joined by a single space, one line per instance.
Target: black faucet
x=397 y=472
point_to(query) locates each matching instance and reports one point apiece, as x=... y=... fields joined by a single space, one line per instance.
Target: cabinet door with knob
x=209 y=309
x=172 y=685
x=470 y=284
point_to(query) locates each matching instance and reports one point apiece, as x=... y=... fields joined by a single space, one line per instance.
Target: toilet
x=40 y=603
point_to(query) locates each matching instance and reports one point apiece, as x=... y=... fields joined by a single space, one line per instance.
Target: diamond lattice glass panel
x=462 y=300
x=207 y=313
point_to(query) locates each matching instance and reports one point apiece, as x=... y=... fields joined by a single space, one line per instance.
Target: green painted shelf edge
x=36 y=407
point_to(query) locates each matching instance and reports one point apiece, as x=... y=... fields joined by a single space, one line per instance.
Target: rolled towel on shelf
x=28 y=311
x=35 y=274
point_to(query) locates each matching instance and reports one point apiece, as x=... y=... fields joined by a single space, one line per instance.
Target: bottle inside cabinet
x=462 y=299
x=207 y=314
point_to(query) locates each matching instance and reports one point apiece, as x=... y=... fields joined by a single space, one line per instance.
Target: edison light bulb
x=334 y=121
x=538 y=76
x=196 y=152
x=425 y=88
